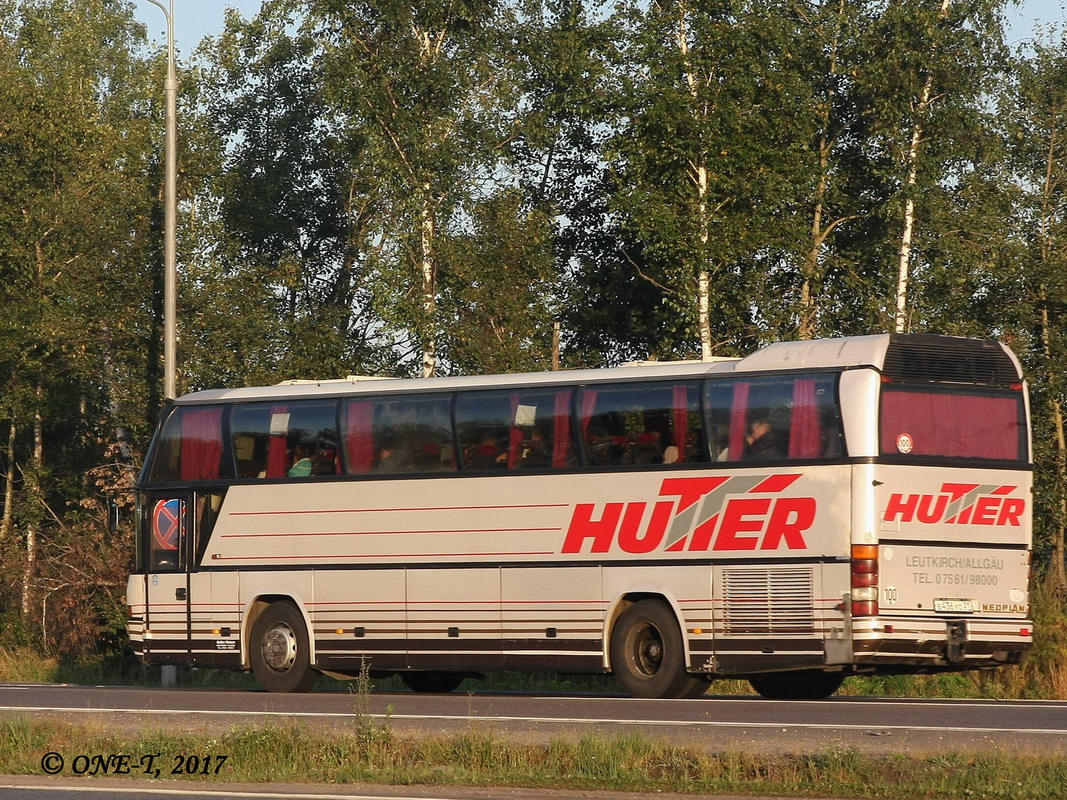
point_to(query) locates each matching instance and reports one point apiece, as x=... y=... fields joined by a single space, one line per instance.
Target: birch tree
x=75 y=153
x=414 y=84
x=713 y=101
x=278 y=288
x=1038 y=110
x=931 y=66
x=840 y=184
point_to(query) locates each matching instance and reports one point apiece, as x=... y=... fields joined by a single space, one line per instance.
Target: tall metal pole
x=169 y=673
x=170 y=215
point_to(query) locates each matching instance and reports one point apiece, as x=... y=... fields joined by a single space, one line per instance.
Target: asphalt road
x=714 y=722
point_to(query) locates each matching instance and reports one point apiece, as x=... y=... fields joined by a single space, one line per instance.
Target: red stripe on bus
x=383 y=510
x=383 y=533
x=216 y=557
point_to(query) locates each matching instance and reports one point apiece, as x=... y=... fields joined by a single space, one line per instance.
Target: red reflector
x=1017 y=387
x=888 y=629
x=864 y=579
x=866 y=565
x=1024 y=631
x=864 y=608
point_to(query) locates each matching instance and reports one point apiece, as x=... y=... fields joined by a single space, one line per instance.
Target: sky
x=195 y=19
x=1023 y=17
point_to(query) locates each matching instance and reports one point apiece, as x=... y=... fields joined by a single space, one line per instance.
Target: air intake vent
x=775 y=601
x=924 y=358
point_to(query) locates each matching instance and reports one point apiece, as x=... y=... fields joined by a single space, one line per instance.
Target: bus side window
x=647 y=424
x=774 y=419
x=312 y=439
x=258 y=439
x=519 y=429
x=482 y=425
x=409 y=435
x=190 y=446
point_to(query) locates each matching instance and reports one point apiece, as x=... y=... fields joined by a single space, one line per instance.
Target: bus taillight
x=864 y=580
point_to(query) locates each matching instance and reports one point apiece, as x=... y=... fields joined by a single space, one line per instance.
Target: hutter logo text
x=958 y=504
x=709 y=513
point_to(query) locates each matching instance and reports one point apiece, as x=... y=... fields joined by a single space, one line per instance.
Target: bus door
x=165 y=527
x=182 y=600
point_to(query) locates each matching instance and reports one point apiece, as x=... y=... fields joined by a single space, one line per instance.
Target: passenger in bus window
x=391 y=457
x=301 y=467
x=763 y=442
x=534 y=451
x=486 y=454
x=671 y=453
x=324 y=462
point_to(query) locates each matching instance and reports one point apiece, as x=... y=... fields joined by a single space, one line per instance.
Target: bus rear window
x=947 y=424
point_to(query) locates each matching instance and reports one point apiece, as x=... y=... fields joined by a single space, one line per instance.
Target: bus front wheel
x=280 y=651
x=647 y=655
x=798 y=685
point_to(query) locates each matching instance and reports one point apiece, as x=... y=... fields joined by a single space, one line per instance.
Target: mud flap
x=955 y=641
x=837 y=646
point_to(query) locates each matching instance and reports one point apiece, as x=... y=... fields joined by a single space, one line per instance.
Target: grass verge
x=371 y=753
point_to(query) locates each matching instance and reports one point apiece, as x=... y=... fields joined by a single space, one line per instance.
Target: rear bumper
x=935 y=643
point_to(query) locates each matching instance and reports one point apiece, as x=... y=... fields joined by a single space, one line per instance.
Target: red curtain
x=359 y=438
x=680 y=413
x=588 y=404
x=561 y=433
x=805 y=437
x=515 y=437
x=277 y=451
x=738 y=420
x=201 y=444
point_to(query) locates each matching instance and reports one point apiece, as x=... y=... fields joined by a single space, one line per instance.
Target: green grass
x=369 y=752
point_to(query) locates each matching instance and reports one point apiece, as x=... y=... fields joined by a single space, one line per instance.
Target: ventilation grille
x=946 y=359
x=769 y=601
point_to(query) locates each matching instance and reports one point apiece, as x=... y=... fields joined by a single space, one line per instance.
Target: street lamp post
x=170 y=218
x=169 y=673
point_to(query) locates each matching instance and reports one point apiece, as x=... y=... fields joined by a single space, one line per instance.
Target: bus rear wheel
x=432 y=682
x=798 y=685
x=280 y=653
x=647 y=655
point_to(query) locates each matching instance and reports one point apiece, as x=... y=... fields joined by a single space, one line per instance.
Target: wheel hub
x=279 y=647
x=649 y=651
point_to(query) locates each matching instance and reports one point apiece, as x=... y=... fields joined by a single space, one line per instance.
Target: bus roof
x=840 y=353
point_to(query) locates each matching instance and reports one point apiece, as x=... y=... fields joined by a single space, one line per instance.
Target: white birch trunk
x=9 y=487
x=703 y=275
x=808 y=322
x=33 y=486
x=429 y=291
x=700 y=180
x=904 y=258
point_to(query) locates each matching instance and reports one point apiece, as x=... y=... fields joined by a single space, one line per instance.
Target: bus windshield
x=943 y=423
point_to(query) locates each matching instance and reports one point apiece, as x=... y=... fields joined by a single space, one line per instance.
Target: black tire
x=647 y=655
x=280 y=652
x=432 y=682
x=798 y=685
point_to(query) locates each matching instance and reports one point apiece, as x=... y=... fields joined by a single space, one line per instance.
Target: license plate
x=957 y=606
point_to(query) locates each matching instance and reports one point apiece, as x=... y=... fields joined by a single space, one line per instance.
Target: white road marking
x=539 y=720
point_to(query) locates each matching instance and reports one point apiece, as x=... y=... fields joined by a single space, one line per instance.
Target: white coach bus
x=815 y=510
